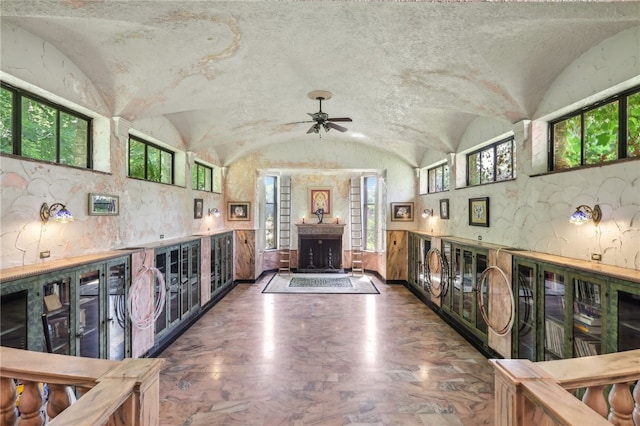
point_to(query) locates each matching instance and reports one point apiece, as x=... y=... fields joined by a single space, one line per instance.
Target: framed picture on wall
x=402 y=212
x=238 y=210
x=479 y=211
x=104 y=205
x=321 y=199
x=444 y=208
x=197 y=208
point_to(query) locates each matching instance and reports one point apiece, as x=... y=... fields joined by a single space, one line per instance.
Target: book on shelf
x=52 y=302
x=587 y=319
x=585 y=328
x=554 y=337
x=584 y=346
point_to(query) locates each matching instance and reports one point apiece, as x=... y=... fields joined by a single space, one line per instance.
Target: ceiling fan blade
x=300 y=122
x=339 y=119
x=314 y=129
x=335 y=126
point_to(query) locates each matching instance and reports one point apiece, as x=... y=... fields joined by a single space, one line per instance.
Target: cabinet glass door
x=587 y=317
x=161 y=265
x=57 y=316
x=554 y=315
x=116 y=307
x=88 y=315
x=173 y=281
x=194 y=274
x=481 y=265
x=457 y=280
x=468 y=295
x=13 y=320
x=526 y=312
x=184 y=281
x=628 y=321
x=448 y=296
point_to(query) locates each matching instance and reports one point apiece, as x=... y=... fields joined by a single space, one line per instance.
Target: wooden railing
x=528 y=393
x=122 y=393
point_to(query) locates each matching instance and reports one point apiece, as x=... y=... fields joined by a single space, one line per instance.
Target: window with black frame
x=149 y=162
x=33 y=127
x=270 y=211
x=600 y=133
x=492 y=163
x=370 y=189
x=438 y=178
x=201 y=177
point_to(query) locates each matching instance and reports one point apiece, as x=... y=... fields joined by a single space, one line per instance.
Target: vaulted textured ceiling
x=231 y=75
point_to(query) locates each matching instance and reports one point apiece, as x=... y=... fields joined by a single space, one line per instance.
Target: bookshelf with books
x=587 y=316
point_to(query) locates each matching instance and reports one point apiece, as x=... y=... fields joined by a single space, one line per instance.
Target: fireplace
x=320 y=247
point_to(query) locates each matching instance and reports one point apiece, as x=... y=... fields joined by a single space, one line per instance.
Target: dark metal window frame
x=365 y=215
x=148 y=144
x=16 y=124
x=493 y=147
x=443 y=166
x=203 y=168
x=622 y=99
x=276 y=219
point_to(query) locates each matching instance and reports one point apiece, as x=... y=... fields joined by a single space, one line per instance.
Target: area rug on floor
x=320 y=283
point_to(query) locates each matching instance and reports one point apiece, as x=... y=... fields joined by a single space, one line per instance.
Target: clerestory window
x=600 y=133
x=35 y=128
x=492 y=163
x=150 y=162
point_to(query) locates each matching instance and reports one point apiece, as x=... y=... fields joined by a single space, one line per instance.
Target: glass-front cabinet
x=419 y=246
x=221 y=263
x=461 y=302
x=179 y=266
x=566 y=310
x=72 y=311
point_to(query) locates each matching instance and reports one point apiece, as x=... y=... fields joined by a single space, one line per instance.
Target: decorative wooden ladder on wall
x=284 y=231
x=355 y=213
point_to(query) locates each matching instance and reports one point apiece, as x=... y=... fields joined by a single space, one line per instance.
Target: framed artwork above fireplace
x=320 y=199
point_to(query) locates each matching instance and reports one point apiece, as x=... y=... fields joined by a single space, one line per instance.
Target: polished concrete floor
x=309 y=359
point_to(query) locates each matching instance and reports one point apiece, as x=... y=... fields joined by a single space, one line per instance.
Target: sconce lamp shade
x=585 y=213
x=427 y=212
x=58 y=211
x=214 y=211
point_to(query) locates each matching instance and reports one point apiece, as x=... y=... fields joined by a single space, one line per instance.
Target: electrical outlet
x=45 y=254
x=596 y=256
x=161 y=236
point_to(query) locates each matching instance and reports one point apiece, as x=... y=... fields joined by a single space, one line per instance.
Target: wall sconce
x=427 y=212
x=58 y=211
x=214 y=211
x=583 y=213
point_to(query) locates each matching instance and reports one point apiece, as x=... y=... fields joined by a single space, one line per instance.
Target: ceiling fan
x=321 y=119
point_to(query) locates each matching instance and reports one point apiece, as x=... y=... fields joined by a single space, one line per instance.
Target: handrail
x=538 y=393
x=126 y=390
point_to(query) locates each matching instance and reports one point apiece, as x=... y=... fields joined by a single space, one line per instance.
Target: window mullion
x=17 y=123
x=623 y=130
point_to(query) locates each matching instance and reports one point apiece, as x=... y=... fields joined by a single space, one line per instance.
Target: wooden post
x=8 y=396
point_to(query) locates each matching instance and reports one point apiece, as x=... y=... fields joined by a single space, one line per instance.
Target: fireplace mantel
x=320 y=229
